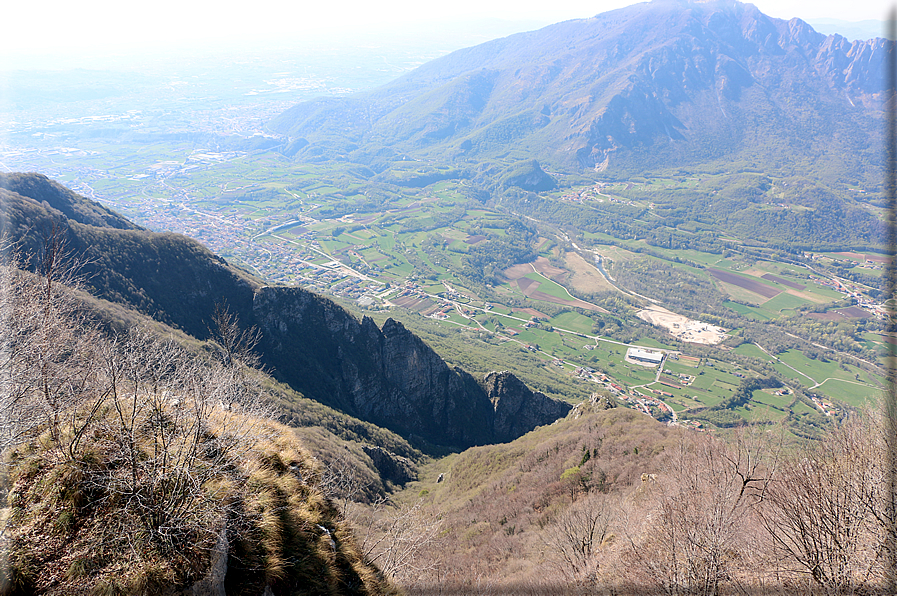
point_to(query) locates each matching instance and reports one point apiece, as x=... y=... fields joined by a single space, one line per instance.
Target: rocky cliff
x=518 y=409
x=389 y=376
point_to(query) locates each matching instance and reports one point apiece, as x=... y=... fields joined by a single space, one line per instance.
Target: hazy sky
x=50 y=25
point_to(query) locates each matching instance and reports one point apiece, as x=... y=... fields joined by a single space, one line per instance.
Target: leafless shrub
x=399 y=540
x=165 y=421
x=824 y=512
x=342 y=483
x=47 y=344
x=574 y=540
x=173 y=424
x=696 y=528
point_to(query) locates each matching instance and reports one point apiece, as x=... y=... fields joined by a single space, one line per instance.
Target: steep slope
x=502 y=504
x=389 y=376
x=667 y=82
x=260 y=525
x=167 y=276
x=386 y=376
x=52 y=194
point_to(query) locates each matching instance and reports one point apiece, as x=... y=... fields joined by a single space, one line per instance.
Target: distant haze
x=52 y=28
x=851 y=30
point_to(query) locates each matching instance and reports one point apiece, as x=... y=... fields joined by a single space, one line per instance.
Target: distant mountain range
x=868 y=29
x=383 y=375
x=666 y=84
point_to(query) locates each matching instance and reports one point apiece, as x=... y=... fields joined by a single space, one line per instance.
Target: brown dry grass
x=586 y=277
x=517 y=271
x=67 y=535
x=815 y=298
x=682 y=515
x=499 y=501
x=740 y=294
x=556 y=274
x=864 y=257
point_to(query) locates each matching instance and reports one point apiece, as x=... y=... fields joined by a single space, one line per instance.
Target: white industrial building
x=646 y=356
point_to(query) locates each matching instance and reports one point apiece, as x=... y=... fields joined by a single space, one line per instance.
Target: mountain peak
x=664 y=83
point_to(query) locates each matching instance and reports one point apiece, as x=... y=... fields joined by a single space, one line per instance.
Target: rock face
x=389 y=376
x=386 y=376
x=597 y=403
x=518 y=409
x=213 y=583
x=392 y=467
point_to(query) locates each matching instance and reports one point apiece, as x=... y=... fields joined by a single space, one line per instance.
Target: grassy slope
x=497 y=499
x=68 y=534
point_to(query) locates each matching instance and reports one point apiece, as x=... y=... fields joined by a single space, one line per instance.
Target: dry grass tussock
x=73 y=529
x=135 y=467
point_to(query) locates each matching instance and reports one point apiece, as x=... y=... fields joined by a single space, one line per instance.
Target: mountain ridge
x=697 y=81
x=386 y=375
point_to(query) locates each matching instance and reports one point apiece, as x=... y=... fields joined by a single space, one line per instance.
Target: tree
x=48 y=345
x=175 y=424
x=235 y=344
x=696 y=532
x=575 y=538
x=341 y=482
x=168 y=421
x=400 y=540
x=822 y=511
x=575 y=480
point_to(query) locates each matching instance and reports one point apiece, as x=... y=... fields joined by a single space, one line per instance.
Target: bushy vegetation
x=484 y=262
x=611 y=501
x=135 y=466
x=81 y=524
x=790 y=211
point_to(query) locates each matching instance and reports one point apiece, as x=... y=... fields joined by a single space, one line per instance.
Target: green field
x=777 y=401
x=405 y=233
x=650 y=342
x=549 y=287
x=753 y=351
x=573 y=321
x=815 y=368
x=630 y=374
x=759 y=413
x=783 y=302
x=801 y=408
x=747 y=311
x=851 y=393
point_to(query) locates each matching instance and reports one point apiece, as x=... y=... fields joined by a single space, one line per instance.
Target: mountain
x=51 y=194
x=167 y=276
x=384 y=375
x=669 y=83
x=867 y=29
x=503 y=505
